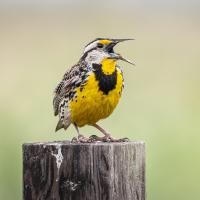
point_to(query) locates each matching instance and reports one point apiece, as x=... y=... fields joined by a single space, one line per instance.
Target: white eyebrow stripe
x=90 y=46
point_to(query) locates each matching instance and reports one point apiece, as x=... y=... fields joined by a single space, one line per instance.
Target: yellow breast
x=92 y=104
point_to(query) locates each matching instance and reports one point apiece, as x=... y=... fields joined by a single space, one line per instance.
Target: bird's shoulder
x=119 y=69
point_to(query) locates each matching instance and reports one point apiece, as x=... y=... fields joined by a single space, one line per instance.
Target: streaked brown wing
x=65 y=86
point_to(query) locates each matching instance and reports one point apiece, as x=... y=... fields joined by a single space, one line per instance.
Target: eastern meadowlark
x=91 y=89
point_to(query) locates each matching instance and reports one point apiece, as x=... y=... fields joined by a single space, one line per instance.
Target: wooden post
x=89 y=171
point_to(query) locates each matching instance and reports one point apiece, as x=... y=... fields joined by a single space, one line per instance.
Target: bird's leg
x=79 y=138
x=107 y=136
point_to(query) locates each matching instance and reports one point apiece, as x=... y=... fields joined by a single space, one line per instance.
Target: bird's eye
x=99 y=45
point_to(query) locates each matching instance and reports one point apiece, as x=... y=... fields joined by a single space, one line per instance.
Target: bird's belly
x=91 y=104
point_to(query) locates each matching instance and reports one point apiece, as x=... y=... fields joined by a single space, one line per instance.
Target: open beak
x=121 y=40
x=115 y=55
x=119 y=57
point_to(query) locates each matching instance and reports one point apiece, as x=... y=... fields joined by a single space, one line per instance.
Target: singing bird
x=91 y=89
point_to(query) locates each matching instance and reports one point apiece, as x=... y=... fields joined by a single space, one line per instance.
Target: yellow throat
x=108 y=66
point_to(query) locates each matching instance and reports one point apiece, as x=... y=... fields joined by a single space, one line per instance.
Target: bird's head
x=101 y=48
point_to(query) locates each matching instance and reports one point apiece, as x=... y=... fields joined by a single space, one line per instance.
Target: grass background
x=161 y=100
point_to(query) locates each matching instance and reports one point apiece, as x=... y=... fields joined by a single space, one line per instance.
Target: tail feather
x=61 y=124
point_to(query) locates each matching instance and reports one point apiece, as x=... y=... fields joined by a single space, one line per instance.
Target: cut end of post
x=67 y=142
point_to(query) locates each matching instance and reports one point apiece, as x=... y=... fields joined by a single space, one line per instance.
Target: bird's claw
x=80 y=139
x=123 y=140
x=95 y=138
x=106 y=138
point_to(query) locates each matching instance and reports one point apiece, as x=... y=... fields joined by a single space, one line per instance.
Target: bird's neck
x=108 y=66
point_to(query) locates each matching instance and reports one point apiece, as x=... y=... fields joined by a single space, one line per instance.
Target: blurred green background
x=39 y=40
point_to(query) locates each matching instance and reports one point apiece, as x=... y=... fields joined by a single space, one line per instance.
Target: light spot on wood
x=59 y=159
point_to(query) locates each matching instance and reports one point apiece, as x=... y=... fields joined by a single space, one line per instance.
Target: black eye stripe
x=99 y=45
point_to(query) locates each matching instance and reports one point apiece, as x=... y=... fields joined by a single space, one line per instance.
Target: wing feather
x=65 y=86
x=74 y=77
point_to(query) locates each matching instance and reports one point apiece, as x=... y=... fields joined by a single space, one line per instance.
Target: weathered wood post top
x=87 y=171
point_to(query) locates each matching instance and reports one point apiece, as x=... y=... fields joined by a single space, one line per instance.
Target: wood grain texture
x=101 y=171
